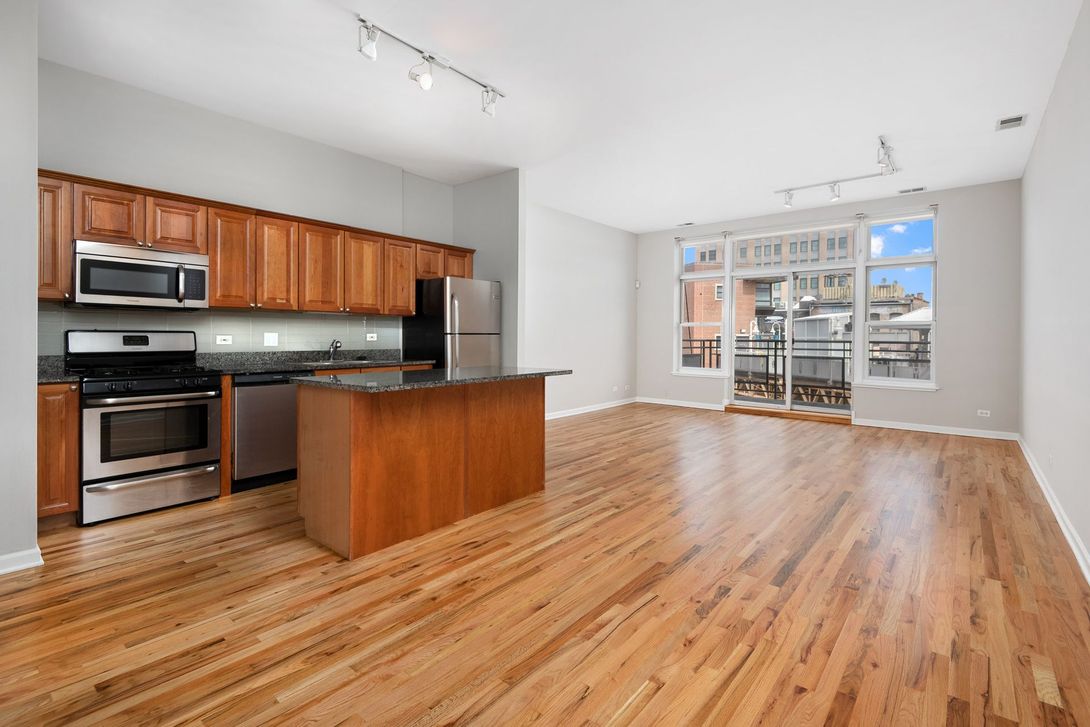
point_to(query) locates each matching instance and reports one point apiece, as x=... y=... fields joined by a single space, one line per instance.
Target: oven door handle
x=111 y=400
x=137 y=481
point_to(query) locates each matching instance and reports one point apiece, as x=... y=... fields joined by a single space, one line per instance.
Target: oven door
x=103 y=279
x=126 y=436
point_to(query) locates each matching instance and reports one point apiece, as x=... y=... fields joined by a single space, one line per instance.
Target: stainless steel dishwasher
x=263 y=429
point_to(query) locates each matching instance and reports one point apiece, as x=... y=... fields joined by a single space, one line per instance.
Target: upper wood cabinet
x=458 y=264
x=362 y=273
x=276 y=263
x=231 y=259
x=429 y=262
x=398 y=278
x=54 y=239
x=108 y=215
x=321 y=268
x=175 y=225
x=58 y=448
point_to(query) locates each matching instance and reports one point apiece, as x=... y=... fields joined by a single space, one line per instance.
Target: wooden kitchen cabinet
x=231 y=259
x=58 y=448
x=321 y=268
x=398 y=278
x=175 y=225
x=362 y=273
x=108 y=215
x=54 y=239
x=429 y=262
x=458 y=264
x=276 y=264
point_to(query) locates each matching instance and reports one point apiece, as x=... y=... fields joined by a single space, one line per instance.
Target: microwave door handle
x=181 y=283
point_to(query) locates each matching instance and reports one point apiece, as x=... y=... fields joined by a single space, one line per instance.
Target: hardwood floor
x=681 y=567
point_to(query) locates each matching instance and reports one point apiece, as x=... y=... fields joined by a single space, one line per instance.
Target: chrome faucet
x=333 y=348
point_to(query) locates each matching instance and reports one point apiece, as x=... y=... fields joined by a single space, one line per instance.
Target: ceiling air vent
x=1011 y=122
x=912 y=190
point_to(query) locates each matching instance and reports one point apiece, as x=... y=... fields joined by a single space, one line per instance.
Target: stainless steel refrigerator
x=457 y=323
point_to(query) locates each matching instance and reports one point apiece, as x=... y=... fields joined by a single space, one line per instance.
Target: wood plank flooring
x=681 y=567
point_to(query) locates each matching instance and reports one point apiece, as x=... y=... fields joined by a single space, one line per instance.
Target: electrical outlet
x=272 y=338
x=983 y=412
x=614 y=388
x=223 y=340
x=627 y=387
x=372 y=336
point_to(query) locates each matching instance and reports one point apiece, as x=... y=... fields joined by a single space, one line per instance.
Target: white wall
x=579 y=308
x=1055 y=263
x=487 y=216
x=977 y=309
x=427 y=209
x=18 y=285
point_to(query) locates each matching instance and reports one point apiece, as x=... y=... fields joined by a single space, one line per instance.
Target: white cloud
x=921 y=251
x=899 y=229
x=877 y=243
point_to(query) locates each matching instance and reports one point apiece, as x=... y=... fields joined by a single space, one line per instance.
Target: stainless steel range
x=151 y=421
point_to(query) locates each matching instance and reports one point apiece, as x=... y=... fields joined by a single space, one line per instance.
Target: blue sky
x=904 y=238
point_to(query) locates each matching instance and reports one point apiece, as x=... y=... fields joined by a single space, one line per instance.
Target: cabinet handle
x=149 y=244
x=348 y=309
x=253 y=305
x=67 y=295
x=71 y=387
x=258 y=305
x=140 y=243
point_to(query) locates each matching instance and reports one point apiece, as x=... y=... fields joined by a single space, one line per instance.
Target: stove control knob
x=128 y=386
x=111 y=386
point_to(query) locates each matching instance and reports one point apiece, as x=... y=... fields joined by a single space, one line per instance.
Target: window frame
x=865 y=263
x=720 y=277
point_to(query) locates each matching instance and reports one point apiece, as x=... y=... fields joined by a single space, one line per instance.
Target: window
x=803 y=246
x=742 y=252
x=756 y=251
x=778 y=250
x=794 y=247
x=768 y=250
x=802 y=283
x=813 y=282
x=830 y=281
x=900 y=300
x=830 y=244
x=701 y=285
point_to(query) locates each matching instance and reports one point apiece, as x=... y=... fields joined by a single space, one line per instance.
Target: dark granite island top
x=386 y=381
x=385 y=457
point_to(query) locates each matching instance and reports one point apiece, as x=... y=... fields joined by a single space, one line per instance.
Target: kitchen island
x=384 y=457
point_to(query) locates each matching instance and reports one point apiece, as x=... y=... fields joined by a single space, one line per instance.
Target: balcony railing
x=701 y=353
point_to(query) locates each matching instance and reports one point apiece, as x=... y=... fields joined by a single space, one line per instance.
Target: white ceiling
x=639 y=114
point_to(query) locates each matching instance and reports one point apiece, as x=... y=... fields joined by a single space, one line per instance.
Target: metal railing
x=701 y=353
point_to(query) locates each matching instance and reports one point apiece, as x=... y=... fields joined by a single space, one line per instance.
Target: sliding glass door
x=760 y=340
x=821 y=340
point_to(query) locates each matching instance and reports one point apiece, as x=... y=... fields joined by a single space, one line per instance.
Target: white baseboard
x=676 y=402
x=1082 y=555
x=587 y=409
x=20 y=559
x=934 y=429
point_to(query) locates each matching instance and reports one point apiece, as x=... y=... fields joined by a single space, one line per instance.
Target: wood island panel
x=379 y=468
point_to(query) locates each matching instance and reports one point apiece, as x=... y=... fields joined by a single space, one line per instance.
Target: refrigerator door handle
x=457 y=329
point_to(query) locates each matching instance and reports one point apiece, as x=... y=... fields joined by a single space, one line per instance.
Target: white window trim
x=680 y=278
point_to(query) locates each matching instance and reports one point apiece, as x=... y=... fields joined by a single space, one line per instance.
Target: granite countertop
x=430 y=379
x=51 y=367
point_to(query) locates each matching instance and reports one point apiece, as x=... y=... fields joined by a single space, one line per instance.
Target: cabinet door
x=231 y=253
x=108 y=215
x=457 y=264
x=58 y=449
x=276 y=261
x=398 y=278
x=362 y=273
x=175 y=225
x=429 y=262
x=321 y=268
x=54 y=239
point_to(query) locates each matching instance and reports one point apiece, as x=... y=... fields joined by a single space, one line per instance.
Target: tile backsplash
x=295 y=331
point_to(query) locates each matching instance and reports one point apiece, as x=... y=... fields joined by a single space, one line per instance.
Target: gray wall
x=579 y=308
x=1055 y=262
x=18 y=285
x=977 y=310
x=487 y=217
x=100 y=128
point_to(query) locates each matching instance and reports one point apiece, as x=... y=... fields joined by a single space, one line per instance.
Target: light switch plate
x=272 y=338
x=223 y=340
x=372 y=336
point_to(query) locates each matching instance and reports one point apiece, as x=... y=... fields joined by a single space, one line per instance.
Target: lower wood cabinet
x=58 y=448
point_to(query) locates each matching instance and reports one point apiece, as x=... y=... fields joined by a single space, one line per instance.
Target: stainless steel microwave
x=108 y=274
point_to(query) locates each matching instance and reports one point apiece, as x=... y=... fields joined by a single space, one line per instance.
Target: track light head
x=788 y=198
x=488 y=101
x=885 y=161
x=834 y=191
x=369 y=40
x=422 y=78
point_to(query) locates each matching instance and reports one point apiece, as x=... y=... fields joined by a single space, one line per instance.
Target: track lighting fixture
x=488 y=101
x=369 y=40
x=886 y=167
x=422 y=73
x=422 y=78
